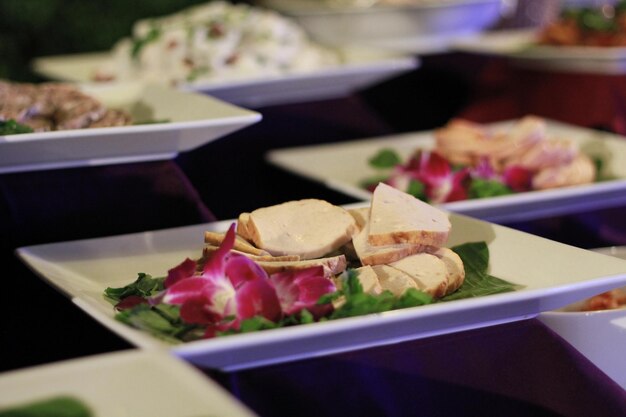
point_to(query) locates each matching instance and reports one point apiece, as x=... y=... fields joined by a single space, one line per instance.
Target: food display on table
x=587 y=26
x=308 y=260
x=26 y=108
x=470 y=161
x=214 y=41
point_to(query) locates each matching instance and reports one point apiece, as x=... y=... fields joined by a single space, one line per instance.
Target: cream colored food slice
x=370 y=254
x=242 y=226
x=393 y=279
x=209 y=249
x=310 y=228
x=241 y=244
x=361 y=216
x=397 y=217
x=454 y=267
x=428 y=271
x=369 y=282
x=331 y=265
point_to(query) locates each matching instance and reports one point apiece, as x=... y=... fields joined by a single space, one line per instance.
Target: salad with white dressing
x=214 y=41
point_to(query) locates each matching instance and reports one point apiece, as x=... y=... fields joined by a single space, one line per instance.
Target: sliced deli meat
x=394 y=280
x=310 y=228
x=331 y=265
x=454 y=267
x=397 y=217
x=242 y=245
x=428 y=271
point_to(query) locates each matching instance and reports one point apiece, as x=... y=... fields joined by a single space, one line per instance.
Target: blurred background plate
x=418 y=26
x=360 y=69
x=599 y=335
x=121 y=384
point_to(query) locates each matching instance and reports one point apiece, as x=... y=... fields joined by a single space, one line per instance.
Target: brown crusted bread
x=370 y=254
x=241 y=244
x=310 y=228
x=209 y=249
x=332 y=265
x=397 y=217
x=428 y=271
x=242 y=226
x=454 y=267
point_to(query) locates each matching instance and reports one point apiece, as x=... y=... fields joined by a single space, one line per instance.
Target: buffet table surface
x=515 y=369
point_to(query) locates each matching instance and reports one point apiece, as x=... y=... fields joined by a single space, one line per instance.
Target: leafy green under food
x=11 y=127
x=62 y=406
x=164 y=322
x=483 y=188
x=385 y=158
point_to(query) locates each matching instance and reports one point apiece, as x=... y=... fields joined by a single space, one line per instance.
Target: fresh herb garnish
x=139 y=43
x=385 y=158
x=11 y=127
x=483 y=188
x=144 y=286
x=62 y=406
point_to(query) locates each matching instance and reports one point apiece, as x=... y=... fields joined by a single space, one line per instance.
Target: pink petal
x=196 y=312
x=299 y=290
x=460 y=184
x=484 y=169
x=130 y=302
x=518 y=178
x=185 y=290
x=258 y=298
x=214 y=266
x=185 y=270
x=434 y=167
x=240 y=269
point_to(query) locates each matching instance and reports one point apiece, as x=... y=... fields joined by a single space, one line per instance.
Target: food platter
x=414 y=27
x=518 y=45
x=342 y=166
x=552 y=275
x=361 y=68
x=122 y=384
x=188 y=121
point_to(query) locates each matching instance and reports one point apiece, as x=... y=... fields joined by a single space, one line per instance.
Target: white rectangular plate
x=552 y=274
x=123 y=384
x=342 y=166
x=519 y=45
x=361 y=68
x=192 y=120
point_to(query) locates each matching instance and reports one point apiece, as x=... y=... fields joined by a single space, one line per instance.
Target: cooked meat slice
x=393 y=279
x=209 y=249
x=428 y=271
x=454 y=267
x=332 y=265
x=241 y=244
x=112 y=117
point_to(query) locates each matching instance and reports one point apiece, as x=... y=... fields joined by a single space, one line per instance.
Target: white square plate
x=191 y=119
x=342 y=166
x=520 y=46
x=552 y=274
x=361 y=67
x=123 y=384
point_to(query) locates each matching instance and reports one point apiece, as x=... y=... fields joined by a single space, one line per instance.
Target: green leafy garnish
x=11 y=127
x=483 y=188
x=151 y=121
x=139 y=43
x=417 y=189
x=144 y=286
x=53 y=407
x=385 y=158
x=478 y=282
x=162 y=321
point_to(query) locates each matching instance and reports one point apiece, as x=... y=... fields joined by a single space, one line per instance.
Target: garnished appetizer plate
x=358 y=69
x=166 y=122
x=121 y=384
x=520 y=46
x=546 y=275
x=345 y=166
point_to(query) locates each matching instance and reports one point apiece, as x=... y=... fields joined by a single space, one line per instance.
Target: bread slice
x=310 y=228
x=369 y=254
x=454 y=267
x=209 y=249
x=428 y=271
x=393 y=279
x=397 y=217
x=331 y=265
x=242 y=245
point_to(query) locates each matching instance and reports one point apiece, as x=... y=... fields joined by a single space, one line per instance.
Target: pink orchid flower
x=232 y=288
x=441 y=183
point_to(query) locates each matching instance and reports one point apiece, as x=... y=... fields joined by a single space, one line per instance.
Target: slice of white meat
x=428 y=271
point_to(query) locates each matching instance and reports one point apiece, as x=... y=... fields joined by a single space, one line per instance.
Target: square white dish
x=552 y=274
x=342 y=166
x=420 y=27
x=192 y=120
x=123 y=384
x=519 y=45
x=360 y=69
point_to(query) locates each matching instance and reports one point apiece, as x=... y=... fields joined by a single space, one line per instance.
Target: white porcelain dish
x=360 y=69
x=425 y=26
x=342 y=167
x=518 y=45
x=123 y=384
x=552 y=274
x=599 y=335
x=190 y=120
